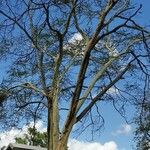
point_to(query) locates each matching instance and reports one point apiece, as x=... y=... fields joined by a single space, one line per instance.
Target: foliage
x=142 y=134
x=33 y=137
x=65 y=58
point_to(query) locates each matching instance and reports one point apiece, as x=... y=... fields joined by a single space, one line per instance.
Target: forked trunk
x=62 y=145
x=55 y=142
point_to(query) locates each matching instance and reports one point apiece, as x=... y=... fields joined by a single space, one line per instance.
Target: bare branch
x=99 y=96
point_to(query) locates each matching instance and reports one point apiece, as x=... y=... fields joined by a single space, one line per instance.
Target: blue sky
x=114 y=123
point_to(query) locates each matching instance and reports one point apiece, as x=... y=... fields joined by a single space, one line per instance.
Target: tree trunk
x=62 y=145
x=54 y=142
x=49 y=126
x=53 y=123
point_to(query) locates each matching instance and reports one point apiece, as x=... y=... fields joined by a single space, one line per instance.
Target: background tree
x=64 y=59
x=142 y=120
x=33 y=137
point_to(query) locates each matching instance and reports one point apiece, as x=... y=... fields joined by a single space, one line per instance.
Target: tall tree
x=142 y=120
x=66 y=57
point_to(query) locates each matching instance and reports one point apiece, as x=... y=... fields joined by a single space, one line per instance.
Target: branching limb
x=29 y=103
x=28 y=85
x=69 y=17
x=99 y=96
x=85 y=61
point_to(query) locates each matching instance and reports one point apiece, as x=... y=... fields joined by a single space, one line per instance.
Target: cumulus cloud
x=76 y=37
x=73 y=144
x=113 y=91
x=80 y=145
x=9 y=136
x=124 y=129
x=73 y=47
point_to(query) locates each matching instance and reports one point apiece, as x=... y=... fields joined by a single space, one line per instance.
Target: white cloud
x=124 y=129
x=9 y=136
x=80 y=145
x=73 y=47
x=76 y=37
x=113 y=91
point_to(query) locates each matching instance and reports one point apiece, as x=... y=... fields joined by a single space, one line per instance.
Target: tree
x=66 y=58
x=33 y=137
x=142 y=120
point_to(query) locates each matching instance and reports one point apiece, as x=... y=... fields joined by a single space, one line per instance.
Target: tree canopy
x=142 y=133
x=33 y=137
x=64 y=59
